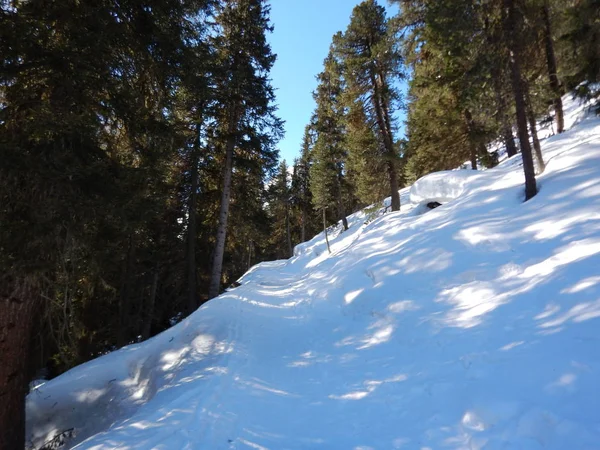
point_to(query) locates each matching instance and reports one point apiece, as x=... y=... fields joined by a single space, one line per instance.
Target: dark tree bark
x=303 y=224
x=509 y=140
x=17 y=319
x=149 y=316
x=473 y=157
x=344 y=221
x=511 y=37
x=325 y=230
x=552 y=69
x=534 y=136
x=470 y=126
x=125 y=294
x=340 y=204
x=393 y=176
x=503 y=117
x=385 y=128
x=497 y=77
x=250 y=253
x=192 y=229
x=217 y=266
x=287 y=229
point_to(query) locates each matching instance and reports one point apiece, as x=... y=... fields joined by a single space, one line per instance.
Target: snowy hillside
x=475 y=325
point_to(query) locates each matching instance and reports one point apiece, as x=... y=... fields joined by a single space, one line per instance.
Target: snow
x=472 y=326
x=441 y=187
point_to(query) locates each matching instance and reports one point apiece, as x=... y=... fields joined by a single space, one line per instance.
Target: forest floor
x=475 y=325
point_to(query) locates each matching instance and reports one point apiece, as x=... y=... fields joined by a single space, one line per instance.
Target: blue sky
x=303 y=31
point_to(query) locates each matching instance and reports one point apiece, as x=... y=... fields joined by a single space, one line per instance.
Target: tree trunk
x=303 y=225
x=509 y=141
x=534 y=136
x=147 y=328
x=124 y=296
x=473 y=157
x=512 y=40
x=391 y=168
x=192 y=229
x=345 y=222
x=287 y=230
x=503 y=117
x=552 y=69
x=497 y=73
x=340 y=203
x=250 y=253
x=217 y=266
x=470 y=131
x=325 y=230
x=17 y=318
x=384 y=125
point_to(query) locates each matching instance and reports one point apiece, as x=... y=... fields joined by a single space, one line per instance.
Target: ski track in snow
x=471 y=326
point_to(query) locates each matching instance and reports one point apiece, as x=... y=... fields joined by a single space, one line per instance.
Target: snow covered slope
x=473 y=326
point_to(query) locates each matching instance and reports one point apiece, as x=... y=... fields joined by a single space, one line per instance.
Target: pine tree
x=580 y=31
x=87 y=148
x=371 y=60
x=247 y=121
x=365 y=162
x=279 y=205
x=329 y=151
x=196 y=104
x=555 y=85
x=300 y=188
x=52 y=168
x=512 y=39
x=498 y=65
x=459 y=50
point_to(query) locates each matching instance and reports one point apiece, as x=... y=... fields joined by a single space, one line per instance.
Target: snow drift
x=441 y=187
x=473 y=326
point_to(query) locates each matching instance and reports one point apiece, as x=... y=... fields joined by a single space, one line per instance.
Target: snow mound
x=441 y=187
x=474 y=326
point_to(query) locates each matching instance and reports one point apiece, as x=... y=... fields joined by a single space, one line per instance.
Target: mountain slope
x=471 y=326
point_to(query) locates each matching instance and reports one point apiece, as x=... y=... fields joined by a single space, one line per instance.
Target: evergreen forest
x=140 y=174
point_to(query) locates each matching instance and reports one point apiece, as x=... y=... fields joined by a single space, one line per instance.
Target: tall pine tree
x=329 y=151
x=371 y=59
x=247 y=122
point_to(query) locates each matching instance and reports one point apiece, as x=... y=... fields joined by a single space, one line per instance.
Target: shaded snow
x=473 y=326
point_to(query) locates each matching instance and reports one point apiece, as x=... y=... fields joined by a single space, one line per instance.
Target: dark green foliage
x=279 y=201
x=475 y=65
x=579 y=29
x=303 y=218
x=87 y=149
x=366 y=166
x=113 y=128
x=457 y=88
x=462 y=92
x=245 y=129
x=328 y=154
x=352 y=144
x=137 y=138
x=370 y=56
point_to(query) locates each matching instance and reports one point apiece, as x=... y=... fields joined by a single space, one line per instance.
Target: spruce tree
x=365 y=162
x=300 y=185
x=555 y=85
x=580 y=31
x=88 y=136
x=329 y=151
x=279 y=196
x=512 y=38
x=372 y=65
x=246 y=122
